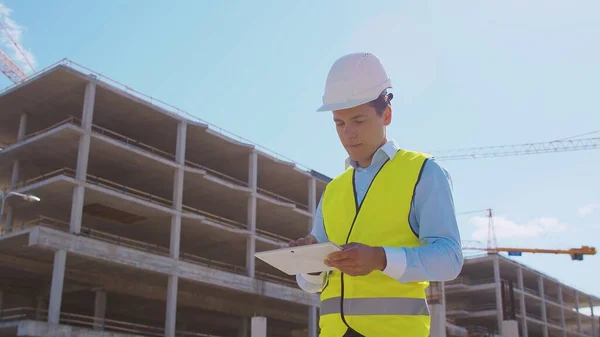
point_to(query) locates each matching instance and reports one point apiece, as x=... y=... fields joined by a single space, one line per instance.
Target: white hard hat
x=354 y=79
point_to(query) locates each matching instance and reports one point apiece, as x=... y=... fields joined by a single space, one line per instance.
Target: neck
x=367 y=161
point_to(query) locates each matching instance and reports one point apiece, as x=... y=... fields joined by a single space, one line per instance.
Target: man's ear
x=387 y=115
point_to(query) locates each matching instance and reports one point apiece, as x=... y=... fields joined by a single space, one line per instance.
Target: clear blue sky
x=466 y=74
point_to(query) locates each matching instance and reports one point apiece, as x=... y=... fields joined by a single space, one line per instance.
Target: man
x=392 y=211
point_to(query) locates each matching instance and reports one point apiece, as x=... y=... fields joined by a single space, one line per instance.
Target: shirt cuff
x=396 y=262
x=312 y=283
x=317 y=279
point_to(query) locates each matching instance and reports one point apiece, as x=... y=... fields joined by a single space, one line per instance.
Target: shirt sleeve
x=433 y=215
x=315 y=283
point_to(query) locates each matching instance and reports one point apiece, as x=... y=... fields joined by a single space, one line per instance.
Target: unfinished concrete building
x=495 y=295
x=148 y=221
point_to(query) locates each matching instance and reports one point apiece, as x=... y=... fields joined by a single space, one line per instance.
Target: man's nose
x=349 y=132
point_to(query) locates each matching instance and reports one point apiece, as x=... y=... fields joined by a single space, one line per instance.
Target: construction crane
x=575 y=253
x=562 y=145
x=10 y=69
x=7 y=66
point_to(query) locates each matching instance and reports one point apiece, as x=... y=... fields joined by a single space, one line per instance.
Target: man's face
x=361 y=131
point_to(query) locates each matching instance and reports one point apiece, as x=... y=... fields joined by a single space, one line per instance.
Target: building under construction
x=147 y=222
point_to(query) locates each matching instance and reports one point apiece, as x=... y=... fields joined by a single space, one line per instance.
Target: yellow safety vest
x=374 y=305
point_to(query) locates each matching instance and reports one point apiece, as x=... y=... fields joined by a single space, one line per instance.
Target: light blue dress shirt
x=432 y=217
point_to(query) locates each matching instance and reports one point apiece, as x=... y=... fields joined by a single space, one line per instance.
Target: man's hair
x=382 y=102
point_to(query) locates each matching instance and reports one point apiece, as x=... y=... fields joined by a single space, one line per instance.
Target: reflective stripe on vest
x=376 y=306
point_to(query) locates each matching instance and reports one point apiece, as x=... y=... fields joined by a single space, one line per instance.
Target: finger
x=341 y=264
x=349 y=253
x=341 y=255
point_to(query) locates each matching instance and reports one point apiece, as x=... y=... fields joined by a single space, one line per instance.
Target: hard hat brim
x=344 y=105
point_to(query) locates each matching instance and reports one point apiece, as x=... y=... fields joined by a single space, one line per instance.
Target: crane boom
x=10 y=69
x=520 y=149
x=576 y=253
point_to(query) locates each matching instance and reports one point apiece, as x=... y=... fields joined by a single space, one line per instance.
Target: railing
x=470 y=308
x=163 y=105
x=164 y=154
x=145 y=147
x=463 y=280
x=94 y=180
x=147 y=247
x=225 y=221
x=479 y=331
x=273 y=236
x=90 y=322
x=147 y=197
x=551 y=298
x=555 y=321
x=281 y=198
x=217 y=174
x=27 y=182
x=70 y=120
x=531 y=291
x=130 y=141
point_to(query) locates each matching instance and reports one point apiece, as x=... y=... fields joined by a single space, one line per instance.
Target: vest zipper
x=357 y=206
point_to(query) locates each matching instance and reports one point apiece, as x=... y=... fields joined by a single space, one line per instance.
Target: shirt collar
x=386 y=151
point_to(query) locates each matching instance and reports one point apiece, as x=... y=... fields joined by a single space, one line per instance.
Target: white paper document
x=301 y=259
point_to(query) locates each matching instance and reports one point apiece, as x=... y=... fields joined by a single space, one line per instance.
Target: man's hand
x=357 y=259
x=307 y=240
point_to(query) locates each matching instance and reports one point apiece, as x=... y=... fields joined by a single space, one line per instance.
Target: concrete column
x=99 y=310
x=8 y=223
x=443 y=293
x=313 y=321
x=438 y=320
x=510 y=328
x=170 y=321
x=87 y=115
x=522 y=301
x=16 y=164
x=16 y=169
x=543 y=306
x=594 y=326
x=22 y=126
x=175 y=243
x=83 y=156
x=499 y=312
x=56 y=288
x=181 y=142
x=258 y=327
x=563 y=323
x=251 y=241
x=86 y=123
x=178 y=190
x=577 y=309
x=244 y=329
